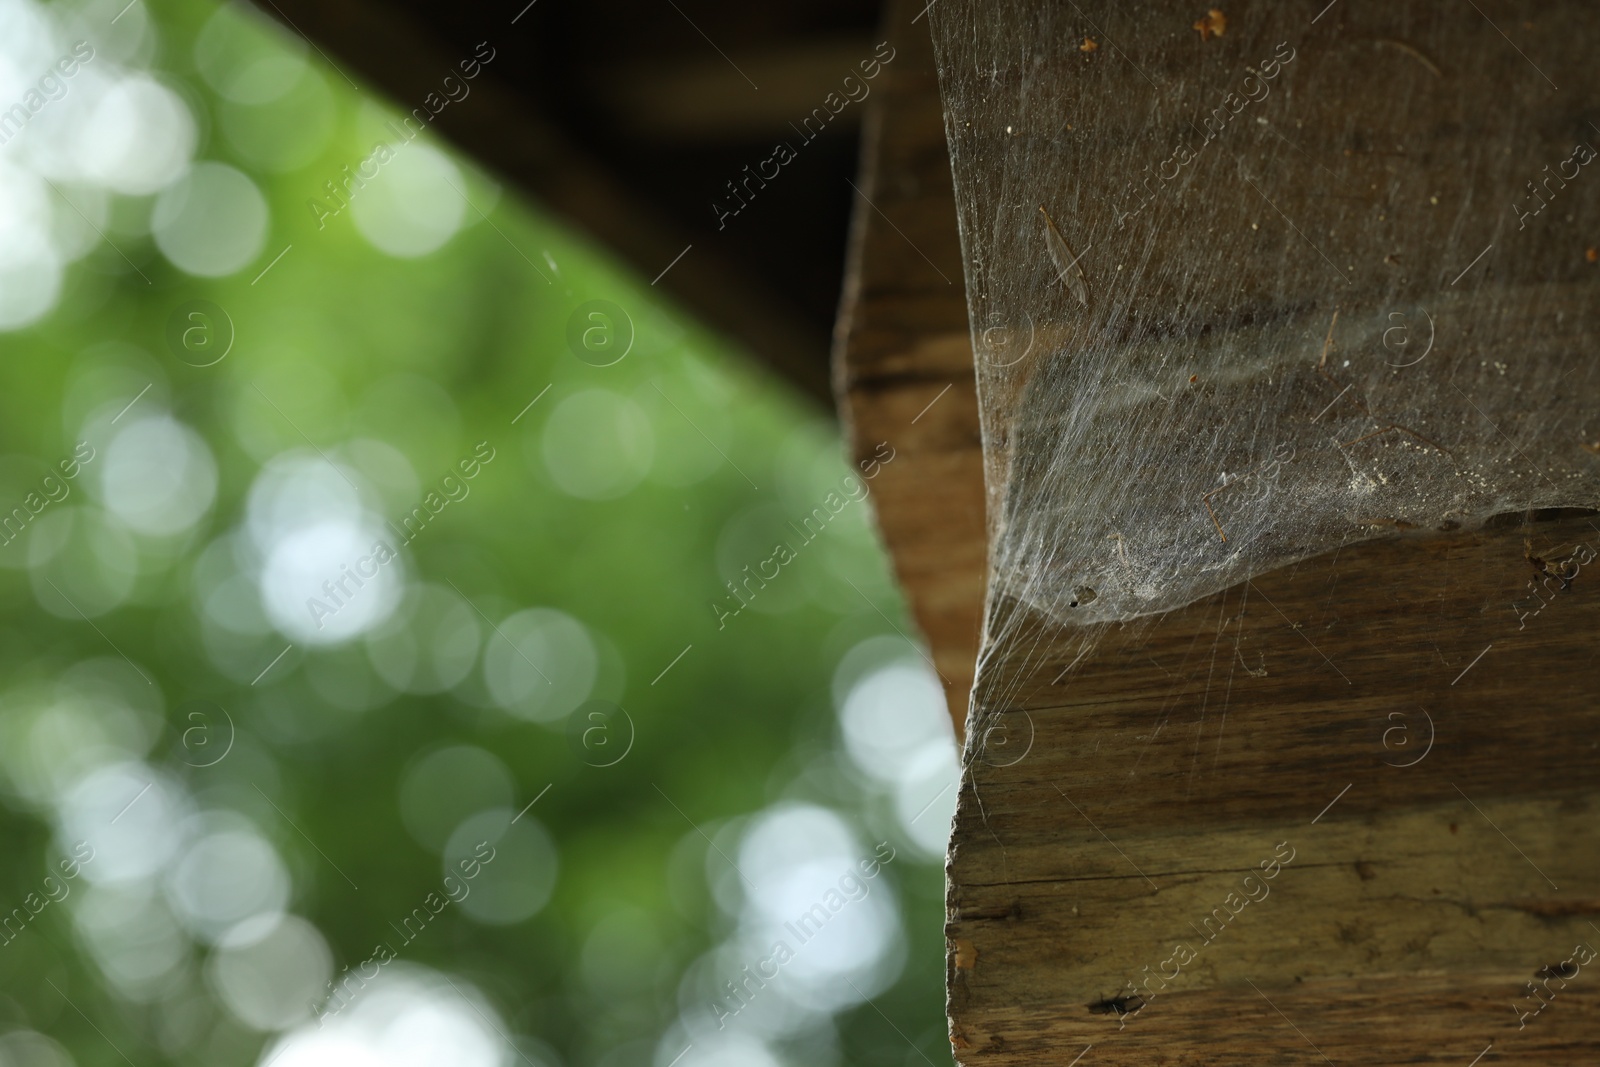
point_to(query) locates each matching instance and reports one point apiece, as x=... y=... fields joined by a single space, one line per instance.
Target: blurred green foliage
x=338 y=342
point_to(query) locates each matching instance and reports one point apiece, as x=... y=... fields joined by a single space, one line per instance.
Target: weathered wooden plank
x=1174 y=760
x=1422 y=901
x=903 y=359
x=1404 y=716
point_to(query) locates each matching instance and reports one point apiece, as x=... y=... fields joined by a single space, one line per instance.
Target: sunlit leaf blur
x=398 y=664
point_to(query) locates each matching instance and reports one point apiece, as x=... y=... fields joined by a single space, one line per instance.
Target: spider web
x=1298 y=294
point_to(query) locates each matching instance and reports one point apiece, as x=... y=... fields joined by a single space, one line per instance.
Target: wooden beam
x=707 y=99
x=505 y=130
x=1341 y=810
x=1429 y=766
x=903 y=359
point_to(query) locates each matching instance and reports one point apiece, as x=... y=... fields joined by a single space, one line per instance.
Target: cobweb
x=1247 y=289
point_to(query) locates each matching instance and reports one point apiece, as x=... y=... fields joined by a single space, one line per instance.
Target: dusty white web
x=1239 y=300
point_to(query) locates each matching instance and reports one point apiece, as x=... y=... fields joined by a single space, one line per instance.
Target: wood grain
x=1420 y=899
x=1424 y=748
x=903 y=359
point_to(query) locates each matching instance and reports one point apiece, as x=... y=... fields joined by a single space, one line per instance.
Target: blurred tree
x=410 y=647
